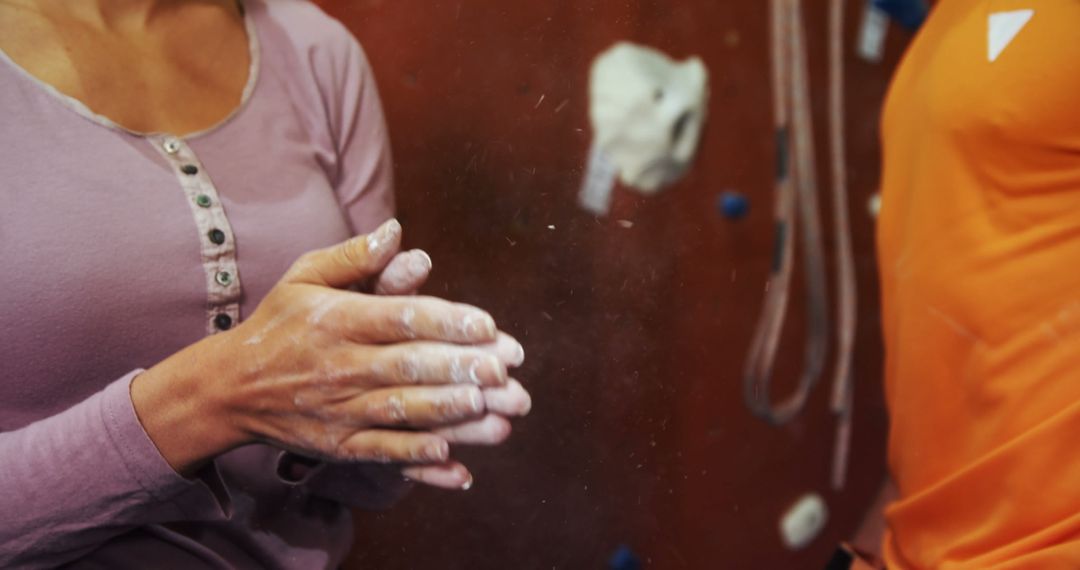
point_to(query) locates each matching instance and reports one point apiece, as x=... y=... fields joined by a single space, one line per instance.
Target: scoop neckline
x=78 y=107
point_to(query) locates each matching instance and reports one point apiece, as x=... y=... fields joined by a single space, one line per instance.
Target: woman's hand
x=404 y=275
x=331 y=373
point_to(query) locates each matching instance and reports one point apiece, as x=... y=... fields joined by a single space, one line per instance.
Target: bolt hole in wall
x=629 y=242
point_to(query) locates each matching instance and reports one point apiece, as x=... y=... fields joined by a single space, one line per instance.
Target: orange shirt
x=979 y=245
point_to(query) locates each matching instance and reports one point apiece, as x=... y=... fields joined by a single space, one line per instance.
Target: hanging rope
x=796 y=193
x=843 y=394
x=796 y=199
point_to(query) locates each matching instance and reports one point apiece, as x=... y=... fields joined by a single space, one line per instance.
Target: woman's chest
x=110 y=261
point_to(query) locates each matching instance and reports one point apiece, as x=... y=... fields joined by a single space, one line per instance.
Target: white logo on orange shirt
x=1003 y=28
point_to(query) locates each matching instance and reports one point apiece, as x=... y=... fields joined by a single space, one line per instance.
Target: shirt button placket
x=216 y=246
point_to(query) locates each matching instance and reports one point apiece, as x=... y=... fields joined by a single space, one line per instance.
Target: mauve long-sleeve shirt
x=118 y=249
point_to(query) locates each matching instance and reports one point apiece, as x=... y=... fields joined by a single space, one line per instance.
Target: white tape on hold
x=872 y=32
x=599 y=182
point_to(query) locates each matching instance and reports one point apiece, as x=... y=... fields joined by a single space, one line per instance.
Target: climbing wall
x=636 y=325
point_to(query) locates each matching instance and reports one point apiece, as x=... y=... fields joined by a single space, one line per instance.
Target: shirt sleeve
x=364 y=178
x=72 y=481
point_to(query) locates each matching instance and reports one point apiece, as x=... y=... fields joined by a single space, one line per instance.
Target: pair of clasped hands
x=341 y=362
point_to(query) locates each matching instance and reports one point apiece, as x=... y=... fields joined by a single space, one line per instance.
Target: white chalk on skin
x=404 y=272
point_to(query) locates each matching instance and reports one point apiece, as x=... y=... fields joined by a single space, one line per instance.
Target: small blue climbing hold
x=908 y=13
x=733 y=205
x=624 y=559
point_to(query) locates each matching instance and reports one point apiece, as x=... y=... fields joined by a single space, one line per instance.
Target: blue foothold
x=908 y=13
x=734 y=205
x=624 y=559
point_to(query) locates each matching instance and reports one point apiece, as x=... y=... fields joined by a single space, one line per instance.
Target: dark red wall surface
x=636 y=336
